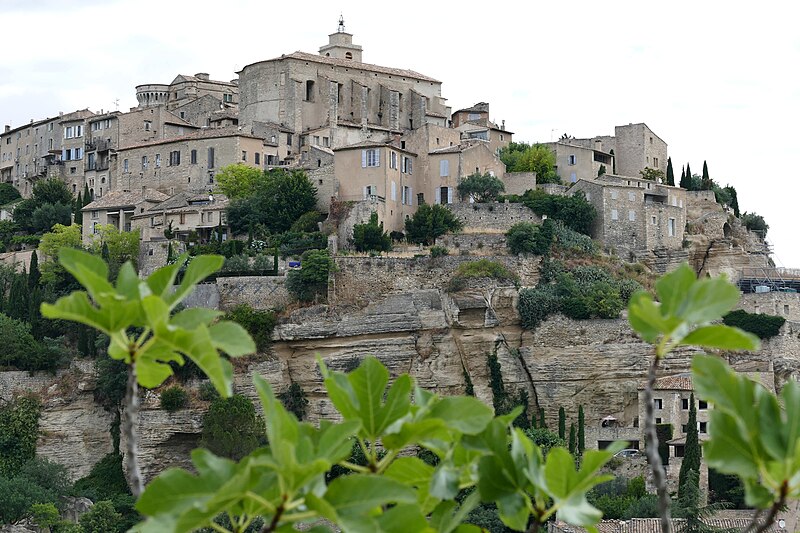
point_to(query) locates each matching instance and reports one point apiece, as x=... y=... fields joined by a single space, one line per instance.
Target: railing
x=99 y=145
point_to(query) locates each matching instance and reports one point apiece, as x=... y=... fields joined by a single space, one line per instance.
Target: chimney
x=8 y=128
x=503 y=125
x=201 y=76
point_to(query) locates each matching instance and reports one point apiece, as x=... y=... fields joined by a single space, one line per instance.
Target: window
x=680 y=450
x=632 y=196
x=653 y=220
x=96 y=126
x=785 y=309
x=573 y=177
x=420 y=199
x=393 y=160
x=407 y=165
x=174 y=158
x=502 y=137
x=444 y=168
x=50 y=127
x=90 y=163
x=408 y=196
x=315 y=140
x=227 y=98
x=651 y=140
x=655 y=162
x=74 y=170
x=572 y=159
x=684 y=428
x=183 y=114
x=473 y=116
x=158 y=160
x=703 y=427
x=182 y=218
x=370 y=158
x=632 y=216
x=210 y=217
x=211 y=158
x=671 y=227
x=658 y=403
x=444 y=195
x=244 y=155
x=326 y=142
x=193 y=157
x=289 y=139
x=613 y=195
x=257 y=157
x=147 y=125
x=49 y=144
x=309 y=91
x=702 y=405
x=658 y=420
x=370 y=190
x=614 y=215
x=144 y=162
x=685 y=404
x=95 y=215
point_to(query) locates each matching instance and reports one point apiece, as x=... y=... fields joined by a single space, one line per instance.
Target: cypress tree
x=562 y=423
x=542 y=421
x=78 y=207
x=104 y=253
x=35 y=274
x=571 y=441
x=17 y=306
x=734 y=200
x=581 y=431
x=670 y=172
x=613 y=162
x=34 y=316
x=87 y=196
x=706 y=179
x=689 y=178
x=170 y=253
x=83 y=340
x=691 y=454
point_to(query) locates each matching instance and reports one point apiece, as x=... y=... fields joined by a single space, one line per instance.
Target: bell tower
x=340 y=45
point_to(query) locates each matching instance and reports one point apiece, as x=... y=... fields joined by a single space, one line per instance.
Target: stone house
x=185 y=89
x=474 y=123
x=634 y=148
x=118 y=208
x=635 y=215
x=575 y=162
x=183 y=213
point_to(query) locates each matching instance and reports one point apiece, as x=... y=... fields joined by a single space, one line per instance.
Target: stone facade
x=574 y=162
x=785 y=304
x=493 y=217
x=635 y=147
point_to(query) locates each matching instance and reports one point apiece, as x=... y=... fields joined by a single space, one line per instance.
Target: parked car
x=628 y=452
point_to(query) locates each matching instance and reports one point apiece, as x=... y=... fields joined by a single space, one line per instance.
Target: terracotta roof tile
x=125 y=199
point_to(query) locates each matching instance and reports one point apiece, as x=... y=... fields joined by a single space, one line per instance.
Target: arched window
x=348 y=55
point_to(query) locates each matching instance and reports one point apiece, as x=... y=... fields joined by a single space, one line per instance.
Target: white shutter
x=449 y=195
x=444 y=169
x=364 y=161
x=394 y=191
x=410 y=196
x=438 y=198
x=63 y=154
x=377 y=158
x=366 y=191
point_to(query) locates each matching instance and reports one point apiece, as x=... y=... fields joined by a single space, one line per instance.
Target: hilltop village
x=378 y=145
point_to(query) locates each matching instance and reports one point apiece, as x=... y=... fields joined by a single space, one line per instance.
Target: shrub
x=295 y=401
x=439 y=251
x=236 y=263
x=231 y=427
x=545 y=439
x=529 y=238
x=308 y=222
x=764 y=326
x=105 y=480
x=754 y=222
x=292 y=244
x=22 y=351
x=264 y=262
x=574 y=211
x=19 y=431
x=311 y=280
x=481 y=187
x=431 y=222
x=568 y=240
x=535 y=305
x=174 y=398
x=259 y=324
x=370 y=236
x=101 y=518
x=38 y=481
x=484 y=268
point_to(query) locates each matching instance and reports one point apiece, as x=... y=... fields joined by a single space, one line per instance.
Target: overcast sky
x=718 y=81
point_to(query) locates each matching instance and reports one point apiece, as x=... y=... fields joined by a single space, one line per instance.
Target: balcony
x=98 y=145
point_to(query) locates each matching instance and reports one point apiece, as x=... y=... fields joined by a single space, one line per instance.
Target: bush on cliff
x=311 y=281
x=232 y=428
x=764 y=326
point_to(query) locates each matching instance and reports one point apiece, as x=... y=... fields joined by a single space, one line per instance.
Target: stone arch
x=726 y=230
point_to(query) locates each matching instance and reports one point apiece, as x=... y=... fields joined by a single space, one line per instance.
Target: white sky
x=718 y=81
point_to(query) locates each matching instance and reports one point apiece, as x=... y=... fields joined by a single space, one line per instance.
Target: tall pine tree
x=87 y=196
x=691 y=454
x=706 y=183
x=562 y=423
x=571 y=441
x=78 y=206
x=670 y=173
x=581 y=431
x=689 y=180
x=684 y=183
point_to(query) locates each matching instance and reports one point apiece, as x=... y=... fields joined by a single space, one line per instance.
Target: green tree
x=530 y=238
x=652 y=174
x=542 y=419
x=695 y=515
x=231 y=427
x=311 y=281
x=545 y=439
x=46 y=216
x=87 y=195
x=279 y=198
x=78 y=215
x=601 y=171
x=19 y=431
x=8 y=194
x=370 y=236
x=691 y=457
x=481 y=187
x=101 y=518
x=686 y=181
x=562 y=423
x=51 y=245
x=540 y=159
x=21 y=350
x=574 y=211
x=44 y=515
x=707 y=183
x=33 y=272
x=258 y=323
x=581 y=431
x=121 y=246
x=754 y=222
x=670 y=172
x=295 y=401
x=238 y=180
x=51 y=198
x=734 y=200
x=431 y=222
x=572 y=444
x=689 y=177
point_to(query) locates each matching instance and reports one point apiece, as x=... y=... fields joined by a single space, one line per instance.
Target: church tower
x=340 y=45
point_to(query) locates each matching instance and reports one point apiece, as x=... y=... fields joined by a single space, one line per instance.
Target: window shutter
x=438 y=198
x=366 y=191
x=64 y=154
x=449 y=195
x=377 y=158
x=443 y=168
x=394 y=191
x=410 y=196
x=364 y=163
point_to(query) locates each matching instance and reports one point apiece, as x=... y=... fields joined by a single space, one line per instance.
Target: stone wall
x=259 y=292
x=519 y=182
x=325 y=182
x=785 y=304
x=553 y=188
x=492 y=216
x=359 y=214
x=474 y=243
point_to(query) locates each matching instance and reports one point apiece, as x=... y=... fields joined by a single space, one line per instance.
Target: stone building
x=575 y=162
x=183 y=213
x=474 y=123
x=186 y=89
x=634 y=147
x=635 y=215
x=118 y=208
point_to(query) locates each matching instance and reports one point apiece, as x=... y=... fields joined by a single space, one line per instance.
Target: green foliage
x=277 y=200
x=38 y=481
x=231 y=427
x=664 y=434
x=601 y=171
x=706 y=179
x=19 y=431
x=624 y=499
x=529 y=238
x=7 y=233
x=44 y=515
x=652 y=174
x=112 y=375
x=481 y=187
x=295 y=401
x=46 y=216
x=284 y=484
x=572 y=444
x=308 y=222
x=439 y=251
x=371 y=237
x=106 y=480
x=294 y=244
x=174 y=398
x=51 y=244
x=101 y=518
x=726 y=489
x=311 y=281
x=207 y=392
x=431 y=222
x=581 y=431
x=670 y=172
x=485 y=268
x=574 y=211
x=545 y=439
x=691 y=458
x=502 y=401
x=238 y=180
x=754 y=222
x=50 y=201
x=562 y=423
x=236 y=263
x=259 y=324
x=522 y=157
x=8 y=193
x=121 y=246
x=135 y=303
x=22 y=351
